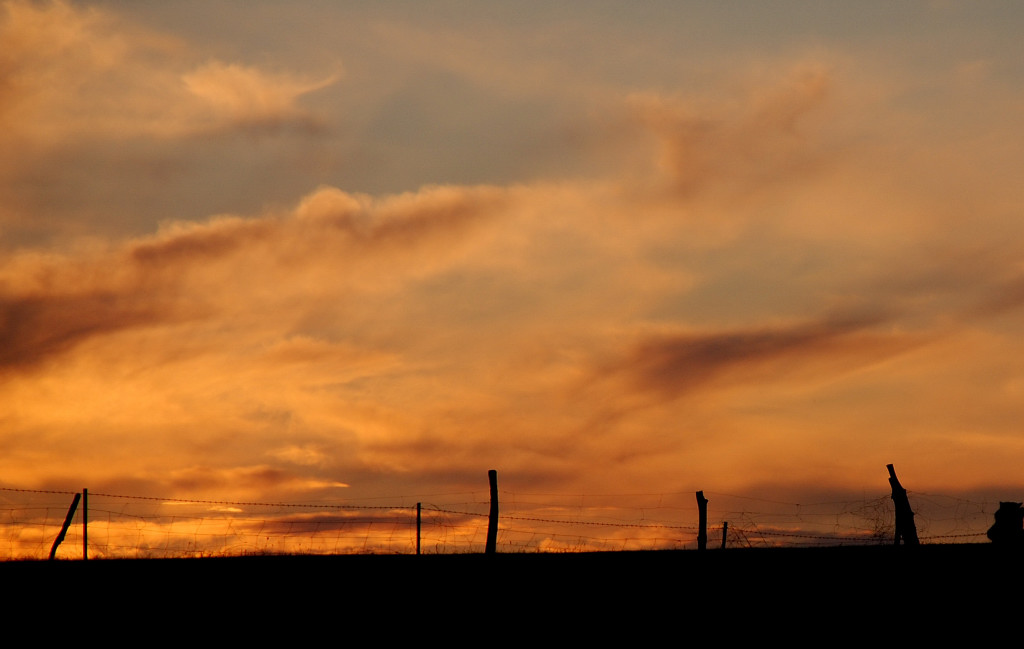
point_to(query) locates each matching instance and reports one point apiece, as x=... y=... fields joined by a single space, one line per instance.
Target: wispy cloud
x=247 y=97
x=740 y=146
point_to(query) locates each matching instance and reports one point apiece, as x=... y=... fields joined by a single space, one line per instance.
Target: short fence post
x=419 y=525
x=702 y=525
x=492 y=520
x=725 y=532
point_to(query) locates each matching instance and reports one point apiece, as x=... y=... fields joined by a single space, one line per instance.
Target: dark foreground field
x=946 y=591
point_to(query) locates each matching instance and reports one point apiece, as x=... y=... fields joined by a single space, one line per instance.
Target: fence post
x=419 y=525
x=492 y=520
x=725 y=532
x=702 y=524
x=85 y=524
x=64 y=528
x=905 y=527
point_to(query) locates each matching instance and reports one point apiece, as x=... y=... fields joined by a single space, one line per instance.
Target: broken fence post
x=905 y=528
x=64 y=528
x=702 y=524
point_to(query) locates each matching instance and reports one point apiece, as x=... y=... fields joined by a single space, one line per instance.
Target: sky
x=339 y=250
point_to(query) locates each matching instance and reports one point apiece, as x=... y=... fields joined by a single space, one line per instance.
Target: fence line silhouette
x=125 y=526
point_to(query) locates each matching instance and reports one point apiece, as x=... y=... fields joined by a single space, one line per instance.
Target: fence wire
x=125 y=526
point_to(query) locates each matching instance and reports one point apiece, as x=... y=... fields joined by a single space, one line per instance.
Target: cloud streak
x=35 y=329
x=196 y=270
x=674 y=365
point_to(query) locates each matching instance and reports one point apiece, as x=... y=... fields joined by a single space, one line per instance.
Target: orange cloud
x=672 y=318
x=742 y=146
x=250 y=97
x=73 y=73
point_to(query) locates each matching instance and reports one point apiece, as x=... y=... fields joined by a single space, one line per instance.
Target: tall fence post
x=725 y=533
x=64 y=528
x=905 y=528
x=85 y=524
x=419 y=525
x=492 y=520
x=702 y=524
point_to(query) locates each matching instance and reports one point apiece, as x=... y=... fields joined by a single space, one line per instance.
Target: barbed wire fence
x=126 y=526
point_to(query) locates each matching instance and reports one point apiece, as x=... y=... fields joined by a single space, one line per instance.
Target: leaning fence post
x=64 y=528
x=905 y=527
x=492 y=520
x=85 y=524
x=702 y=525
x=419 y=525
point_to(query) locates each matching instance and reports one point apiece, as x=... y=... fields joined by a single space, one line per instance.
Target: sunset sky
x=348 y=250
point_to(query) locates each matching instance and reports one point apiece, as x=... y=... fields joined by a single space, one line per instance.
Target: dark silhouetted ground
x=808 y=596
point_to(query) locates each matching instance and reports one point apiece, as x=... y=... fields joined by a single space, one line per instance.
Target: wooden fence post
x=725 y=533
x=492 y=521
x=702 y=525
x=64 y=528
x=419 y=525
x=905 y=528
x=85 y=524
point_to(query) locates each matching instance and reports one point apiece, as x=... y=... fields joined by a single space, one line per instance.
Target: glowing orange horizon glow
x=133 y=527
